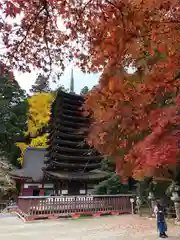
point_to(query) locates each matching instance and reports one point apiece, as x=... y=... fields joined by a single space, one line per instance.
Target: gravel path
x=124 y=227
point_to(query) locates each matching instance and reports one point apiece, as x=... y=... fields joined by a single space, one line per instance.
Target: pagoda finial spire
x=72 y=82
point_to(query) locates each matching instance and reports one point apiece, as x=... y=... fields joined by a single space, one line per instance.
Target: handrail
x=48 y=206
x=69 y=196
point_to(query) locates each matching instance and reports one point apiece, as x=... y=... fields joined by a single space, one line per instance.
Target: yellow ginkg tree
x=37 y=120
x=39 y=112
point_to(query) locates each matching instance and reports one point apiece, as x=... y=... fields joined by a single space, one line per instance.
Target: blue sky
x=80 y=79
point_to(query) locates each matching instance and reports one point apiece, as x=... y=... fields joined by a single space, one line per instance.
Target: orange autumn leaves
x=133 y=122
x=125 y=107
x=97 y=33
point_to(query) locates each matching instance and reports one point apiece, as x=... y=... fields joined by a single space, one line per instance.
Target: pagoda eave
x=74 y=165
x=72 y=108
x=85 y=158
x=67 y=129
x=20 y=174
x=73 y=124
x=69 y=136
x=71 y=96
x=73 y=151
x=77 y=113
x=78 y=176
x=67 y=143
x=79 y=119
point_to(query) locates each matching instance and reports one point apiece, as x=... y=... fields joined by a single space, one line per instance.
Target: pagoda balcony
x=80 y=158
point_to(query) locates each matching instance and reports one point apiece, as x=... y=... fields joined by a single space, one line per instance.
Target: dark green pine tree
x=41 y=84
x=13 y=111
x=112 y=185
x=84 y=90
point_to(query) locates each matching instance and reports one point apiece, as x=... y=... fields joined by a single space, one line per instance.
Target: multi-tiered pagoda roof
x=69 y=156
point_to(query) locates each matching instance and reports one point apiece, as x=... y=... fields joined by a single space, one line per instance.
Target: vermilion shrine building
x=30 y=178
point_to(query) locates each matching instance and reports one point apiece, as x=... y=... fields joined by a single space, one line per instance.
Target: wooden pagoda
x=72 y=165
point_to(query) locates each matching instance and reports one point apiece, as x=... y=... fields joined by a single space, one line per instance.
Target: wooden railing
x=67 y=206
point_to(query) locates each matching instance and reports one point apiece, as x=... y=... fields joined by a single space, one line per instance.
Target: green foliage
x=84 y=90
x=110 y=186
x=113 y=184
x=148 y=185
x=144 y=187
x=108 y=165
x=6 y=183
x=173 y=187
x=13 y=110
x=160 y=189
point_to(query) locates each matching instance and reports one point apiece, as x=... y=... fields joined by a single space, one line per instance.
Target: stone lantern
x=132 y=204
x=138 y=204
x=152 y=199
x=176 y=199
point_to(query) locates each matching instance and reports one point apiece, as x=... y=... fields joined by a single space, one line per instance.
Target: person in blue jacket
x=161 y=222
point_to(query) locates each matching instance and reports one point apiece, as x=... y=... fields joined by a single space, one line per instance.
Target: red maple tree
x=133 y=113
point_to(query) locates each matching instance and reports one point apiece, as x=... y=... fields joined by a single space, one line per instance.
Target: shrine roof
x=34 y=159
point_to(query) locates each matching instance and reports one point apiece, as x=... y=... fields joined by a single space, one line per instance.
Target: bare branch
x=45 y=35
x=28 y=29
